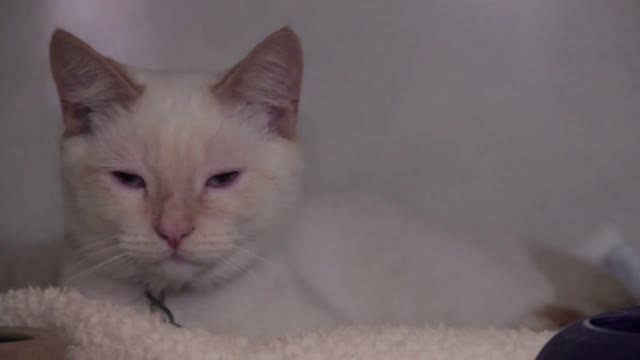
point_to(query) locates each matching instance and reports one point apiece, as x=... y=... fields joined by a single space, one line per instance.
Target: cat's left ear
x=269 y=78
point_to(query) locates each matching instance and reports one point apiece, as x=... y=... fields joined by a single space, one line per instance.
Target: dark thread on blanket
x=156 y=303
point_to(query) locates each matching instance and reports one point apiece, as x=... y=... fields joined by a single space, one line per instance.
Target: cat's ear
x=88 y=83
x=269 y=78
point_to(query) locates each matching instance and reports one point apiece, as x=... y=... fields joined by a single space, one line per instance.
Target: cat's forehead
x=172 y=79
x=178 y=106
x=176 y=96
x=178 y=122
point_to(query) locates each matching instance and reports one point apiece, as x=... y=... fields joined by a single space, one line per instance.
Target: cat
x=183 y=188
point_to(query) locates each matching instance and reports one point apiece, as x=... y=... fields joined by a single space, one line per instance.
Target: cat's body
x=354 y=260
x=186 y=184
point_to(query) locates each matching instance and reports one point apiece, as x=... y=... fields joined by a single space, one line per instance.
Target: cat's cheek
x=227 y=199
x=119 y=204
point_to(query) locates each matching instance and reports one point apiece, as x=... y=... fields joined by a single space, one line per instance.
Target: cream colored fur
x=257 y=263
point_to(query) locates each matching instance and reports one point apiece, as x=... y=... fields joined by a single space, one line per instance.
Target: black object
x=156 y=303
x=613 y=335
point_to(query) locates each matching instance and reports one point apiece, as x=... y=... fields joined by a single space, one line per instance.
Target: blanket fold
x=101 y=330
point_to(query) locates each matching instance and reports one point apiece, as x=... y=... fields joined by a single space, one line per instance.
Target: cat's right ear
x=89 y=85
x=269 y=78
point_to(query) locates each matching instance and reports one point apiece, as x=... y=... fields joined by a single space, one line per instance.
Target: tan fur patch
x=558 y=315
x=86 y=80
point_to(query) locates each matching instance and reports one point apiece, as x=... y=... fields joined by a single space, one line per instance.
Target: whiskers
x=98 y=249
x=145 y=249
x=250 y=253
x=102 y=255
x=236 y=260
x=137 y=258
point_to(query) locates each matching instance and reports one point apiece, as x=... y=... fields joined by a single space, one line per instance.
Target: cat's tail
x=581 y=288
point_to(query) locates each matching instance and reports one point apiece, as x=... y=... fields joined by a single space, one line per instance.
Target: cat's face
x=170 y=177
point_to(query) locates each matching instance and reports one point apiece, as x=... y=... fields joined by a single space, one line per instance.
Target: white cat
x=184 y=186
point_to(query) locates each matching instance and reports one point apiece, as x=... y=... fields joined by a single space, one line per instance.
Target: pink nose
x=174 y=221
x=174 y=233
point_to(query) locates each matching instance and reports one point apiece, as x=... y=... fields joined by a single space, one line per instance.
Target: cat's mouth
x=185 y=259
x=176 y=263
x=180 y=259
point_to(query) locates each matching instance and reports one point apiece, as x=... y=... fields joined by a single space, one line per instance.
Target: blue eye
x=223 y=179
x=129 y=180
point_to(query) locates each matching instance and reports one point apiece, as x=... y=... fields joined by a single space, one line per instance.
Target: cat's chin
x=178 y=270
x=176 y=264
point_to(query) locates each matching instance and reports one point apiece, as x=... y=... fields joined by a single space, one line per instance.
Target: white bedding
x=101 y=330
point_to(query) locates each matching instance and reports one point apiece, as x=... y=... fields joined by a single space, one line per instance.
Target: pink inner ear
x=279 y=123
x=82 y=112
x=76 y=119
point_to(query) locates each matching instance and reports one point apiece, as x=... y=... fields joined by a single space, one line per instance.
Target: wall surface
x=513 y=114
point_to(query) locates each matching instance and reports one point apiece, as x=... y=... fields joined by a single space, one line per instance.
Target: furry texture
x=175 y=136
x=101 y=330
x=241 y=259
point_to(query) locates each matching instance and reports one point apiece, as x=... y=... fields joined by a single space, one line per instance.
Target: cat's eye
x=223 y=179
x=129 y=180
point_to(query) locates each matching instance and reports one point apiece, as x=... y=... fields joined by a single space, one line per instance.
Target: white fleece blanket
x=101 y=330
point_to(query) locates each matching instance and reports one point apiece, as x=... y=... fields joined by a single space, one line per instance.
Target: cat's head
x=171 y=176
